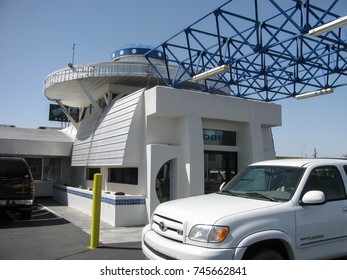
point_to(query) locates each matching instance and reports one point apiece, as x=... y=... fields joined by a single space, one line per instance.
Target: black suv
x=17 y=189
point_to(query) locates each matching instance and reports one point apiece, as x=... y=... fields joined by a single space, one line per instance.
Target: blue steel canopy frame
x=269 y=59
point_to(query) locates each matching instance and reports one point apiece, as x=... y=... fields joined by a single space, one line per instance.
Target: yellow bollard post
x=96 y=208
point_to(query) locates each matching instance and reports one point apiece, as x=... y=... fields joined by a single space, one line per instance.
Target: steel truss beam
x=265 y=44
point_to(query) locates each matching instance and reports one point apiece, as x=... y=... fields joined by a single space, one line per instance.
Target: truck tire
x=267 y=254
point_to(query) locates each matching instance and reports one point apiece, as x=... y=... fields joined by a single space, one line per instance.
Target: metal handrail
x=104 y=69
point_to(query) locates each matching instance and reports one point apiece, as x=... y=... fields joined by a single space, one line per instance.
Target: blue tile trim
x=117 y=201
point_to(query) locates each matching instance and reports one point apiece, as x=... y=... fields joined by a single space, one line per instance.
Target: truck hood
x=210 y=208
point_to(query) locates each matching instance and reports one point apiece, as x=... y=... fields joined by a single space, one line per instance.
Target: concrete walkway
x=108 y=233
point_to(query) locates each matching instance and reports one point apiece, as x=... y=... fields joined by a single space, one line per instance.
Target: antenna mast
x=73 y=54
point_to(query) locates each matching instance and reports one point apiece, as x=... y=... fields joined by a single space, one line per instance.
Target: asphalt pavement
x=58 y=232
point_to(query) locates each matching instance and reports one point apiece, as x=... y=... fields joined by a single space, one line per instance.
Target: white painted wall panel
x=101 y=140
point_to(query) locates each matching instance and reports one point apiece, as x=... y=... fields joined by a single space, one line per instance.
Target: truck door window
x=328 y=180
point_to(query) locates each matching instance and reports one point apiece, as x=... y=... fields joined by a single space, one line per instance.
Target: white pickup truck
x=280 y=209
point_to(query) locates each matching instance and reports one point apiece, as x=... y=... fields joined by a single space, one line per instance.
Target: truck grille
x=166 y=257
x=168 y=228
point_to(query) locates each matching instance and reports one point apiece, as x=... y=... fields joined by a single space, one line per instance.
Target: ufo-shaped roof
x=82 y=85
x=76 y=85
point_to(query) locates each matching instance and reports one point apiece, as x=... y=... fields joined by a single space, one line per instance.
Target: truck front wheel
x=266 y=254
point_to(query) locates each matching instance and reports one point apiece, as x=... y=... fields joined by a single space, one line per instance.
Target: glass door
x=219 y=167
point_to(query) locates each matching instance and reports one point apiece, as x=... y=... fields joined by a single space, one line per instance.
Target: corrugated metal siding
x=101 y=140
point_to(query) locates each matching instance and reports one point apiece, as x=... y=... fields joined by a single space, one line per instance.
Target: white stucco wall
x=175 y=122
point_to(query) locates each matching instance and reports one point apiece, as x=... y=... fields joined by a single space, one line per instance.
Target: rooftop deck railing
x=106 y=69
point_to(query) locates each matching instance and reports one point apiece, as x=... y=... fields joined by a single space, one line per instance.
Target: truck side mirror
x=313 y=198
x=222 y=186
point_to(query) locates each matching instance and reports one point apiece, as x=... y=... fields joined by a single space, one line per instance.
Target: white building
x=47 y=151
x=153 y=143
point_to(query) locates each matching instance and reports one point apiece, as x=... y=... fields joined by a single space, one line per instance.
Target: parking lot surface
x=57 y=232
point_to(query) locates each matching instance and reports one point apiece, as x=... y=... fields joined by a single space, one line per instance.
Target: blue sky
x=37 y=36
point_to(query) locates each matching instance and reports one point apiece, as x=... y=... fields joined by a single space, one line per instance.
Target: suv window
x=328 y=180
x=10 y=169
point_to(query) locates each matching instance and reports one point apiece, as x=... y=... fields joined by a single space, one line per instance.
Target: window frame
x=43 y=168
x=123 y=175
x=91 y=171
x=339 y=181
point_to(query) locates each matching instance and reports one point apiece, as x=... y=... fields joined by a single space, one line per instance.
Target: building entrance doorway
x=163 y=182
x=219 y=167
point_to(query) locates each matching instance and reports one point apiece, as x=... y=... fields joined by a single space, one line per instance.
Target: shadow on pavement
x=47 y=236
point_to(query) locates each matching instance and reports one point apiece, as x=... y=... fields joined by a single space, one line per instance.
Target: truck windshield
x=274 y=183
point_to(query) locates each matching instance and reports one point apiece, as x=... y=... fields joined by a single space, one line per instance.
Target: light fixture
x=210 y=73
x=328 y=26
x=315 y=93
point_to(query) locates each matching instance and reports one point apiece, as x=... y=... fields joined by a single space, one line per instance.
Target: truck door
x=321 y=230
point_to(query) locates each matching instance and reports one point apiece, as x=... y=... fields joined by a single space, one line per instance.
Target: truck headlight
x=208 y=233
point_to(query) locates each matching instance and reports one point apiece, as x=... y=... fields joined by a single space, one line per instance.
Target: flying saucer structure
x=85 y=84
